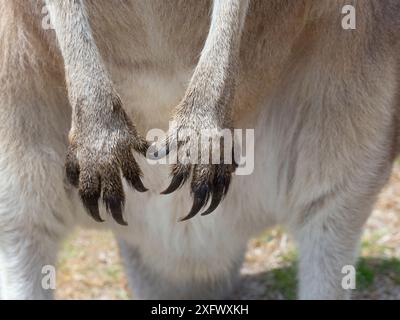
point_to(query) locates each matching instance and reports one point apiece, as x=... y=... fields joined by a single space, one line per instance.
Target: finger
x=234 y=163
x=113 y=192
x=89 y=191
x=228 y=179
x=140 y=145
x=114 y=206
x=131 y=172
x=72 y=169
x=218 y=194
x=180 y=174
x=201 y=189
x=201 y=196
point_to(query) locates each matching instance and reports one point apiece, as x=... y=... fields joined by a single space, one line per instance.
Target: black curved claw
x=217 y=195
x=201 y=197
x=138 y=184
x=131 y=173
x=114 y=205
x=90 y=191
x=113 y=193
x=178 y=180
x=91 y=204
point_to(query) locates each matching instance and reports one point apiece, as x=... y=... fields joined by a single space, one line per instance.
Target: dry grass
x=90 y=267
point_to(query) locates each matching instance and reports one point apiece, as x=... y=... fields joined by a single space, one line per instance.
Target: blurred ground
x=90 y=267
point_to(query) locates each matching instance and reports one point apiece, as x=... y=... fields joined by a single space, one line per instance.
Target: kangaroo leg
x=205 y=110
x=102 y=136
x=35 y=211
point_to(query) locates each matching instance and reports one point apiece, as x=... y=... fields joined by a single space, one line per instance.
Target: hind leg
x=34 y=206
x=328 y=243
x=24 y=253
x=338 y=139
x=33 y=220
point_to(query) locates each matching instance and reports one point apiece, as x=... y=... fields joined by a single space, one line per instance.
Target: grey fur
x=324 y=103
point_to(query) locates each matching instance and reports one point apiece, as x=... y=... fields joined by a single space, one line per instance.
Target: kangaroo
x=77 y=101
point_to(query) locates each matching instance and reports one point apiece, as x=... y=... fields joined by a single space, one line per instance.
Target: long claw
x=91 y=204
x=138 y=185
x=131 y=172
x=90 y=191
x=114 y=206
x=113 y=193
x=218 y=195
x=134 y=180
x=177 y=182
x=201 y=197
x=227 y=184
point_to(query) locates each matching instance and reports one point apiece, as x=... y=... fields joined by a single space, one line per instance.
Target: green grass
x=365 y=274
x=284 y=280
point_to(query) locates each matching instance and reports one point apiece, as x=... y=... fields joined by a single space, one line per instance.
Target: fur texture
x=323 y=102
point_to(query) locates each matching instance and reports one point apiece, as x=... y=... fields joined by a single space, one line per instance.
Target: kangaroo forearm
x=102 y=136
x=214 y=76
x=204 y=112
x=84 y=70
